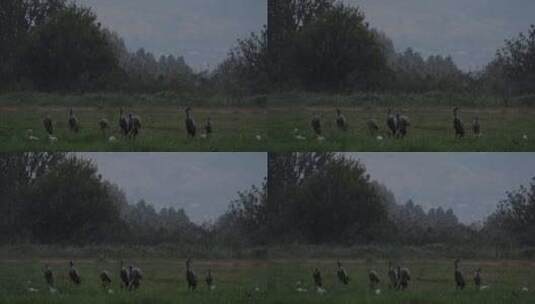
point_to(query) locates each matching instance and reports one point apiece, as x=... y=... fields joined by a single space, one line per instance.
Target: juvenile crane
x=316 y=124
x=374 y=279
x=49 y=276
x=341 y=122
x=191 y=277
x=373 y=128
x=458 y=275
x=49 y=125
x=208 y=127
x=124 y=275
x=476 y=127
x=393 y=276
x=210 y=280
x=105 y=279
x=403 y=124
x=135 y=125
x=136 y=275
x=477 y=278
x=191 y=126
x=104 y=125
x=458 y=124
x=316 y=275
x=74 y=125
x=74 y=275
x=123 y=123
x=391 y=123
x=342 y=274
x=404 y=276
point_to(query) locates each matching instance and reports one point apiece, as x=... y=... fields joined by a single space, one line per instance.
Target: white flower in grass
x=299 y=137
x=321 y=138
x=378 y=291
x=321 y=290
x=112 y=139
x=525 y=137
x=380 y=138
x=33 y=290
x=259 y=137
x=52 y=139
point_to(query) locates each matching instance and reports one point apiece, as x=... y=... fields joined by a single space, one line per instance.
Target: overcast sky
x=204 y=30
x=469 y=183
x=202 y=184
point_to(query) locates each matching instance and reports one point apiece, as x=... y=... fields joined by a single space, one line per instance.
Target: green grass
x=237 y=128
x=237 y=280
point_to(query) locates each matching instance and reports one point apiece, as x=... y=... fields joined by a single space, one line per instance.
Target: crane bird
x=404 y=276
x=49 y=276
x=105 y=278
x=403 y=124
x=74 y=275
x=210 y=280
x=372 y=126
x=191 y=126
x=459 y=278
x=393 y=276
x=316 y=124
x=124 y=126
x=191 y=277
x=104 y=125
x=208 y=127
x=135 y=124
x=391 y=123
x=341 y=122
x=136 y=275
x=458 y=124
x=124 y=275
x=374 y=279
x=74 y=126
x=49 y=125
x=318 y=282
x=476 y=127
x=342 y=274
x=477 y=278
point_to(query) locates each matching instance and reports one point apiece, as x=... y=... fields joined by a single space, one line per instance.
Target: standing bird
x=191 y=277
x=341 y=122
x=477 y=278
x=123 y=123
x=372 y=126
x=393 y=276
x=459 y=278
x=403 y=124
x=74 y=275
x=48 y=124
x=316 y=124
x=404 y=276
x=124 y=275
x=208 y=127
x=210 y=280
x=458 y=124
x=342 y=274
x=316 y=275
x=49 y=276
x=136 y=275
x=104 y=125
x=476 y=127
x=391 y=123
x=191 y=126
x=74 y=126
x=374 y=279
x=105 y=278
x=135 y=125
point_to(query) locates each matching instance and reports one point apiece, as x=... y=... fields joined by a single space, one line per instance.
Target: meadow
x=267 y=281
x=263 y=124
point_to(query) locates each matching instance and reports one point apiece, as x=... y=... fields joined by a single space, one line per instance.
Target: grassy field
x=249 y=281
x=274 y=128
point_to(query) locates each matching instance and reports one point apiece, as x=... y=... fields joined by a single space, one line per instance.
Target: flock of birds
x=398 y=278
x=397 y=125
x=130 y=125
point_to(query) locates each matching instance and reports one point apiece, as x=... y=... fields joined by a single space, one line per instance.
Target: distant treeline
x=325 y=46
x=308 y=199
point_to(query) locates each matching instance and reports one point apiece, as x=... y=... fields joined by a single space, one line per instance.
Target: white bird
x=525 y=289
x=299 y=289
x=485 y=287
x=52 y=139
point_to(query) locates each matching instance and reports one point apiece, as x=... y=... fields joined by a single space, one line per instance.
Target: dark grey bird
x=105 y=279
x=74 y=275
x=316 y=124
x=316 y=275
x=341 y=122
x=458 y=275
x=123 y=123
x=458 y=124
x=404 y=278
x=343 y=277
x=393 y=276
x=478 y=280
x=104 y=125
x=391 y=123
x=208 y=127
x=373 y=128
x=136 y=275
x=403 y=125
x=191 y=277
x=374 y=279
x=135 y=125
x=124 y=275
x=191 y=126
x=74 y=125
x=209 y=279
x=476 y=127
x=49 y=276
x=48 y=124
